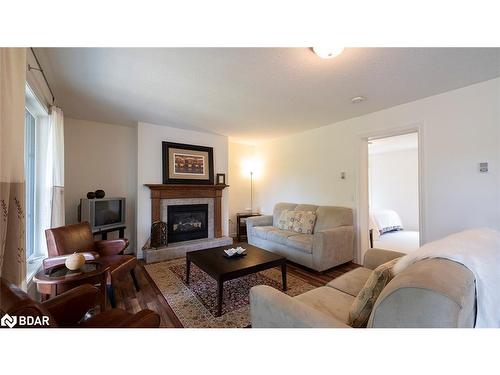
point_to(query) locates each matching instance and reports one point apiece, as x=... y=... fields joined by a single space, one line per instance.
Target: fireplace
x=187 y=222
x=164 y=197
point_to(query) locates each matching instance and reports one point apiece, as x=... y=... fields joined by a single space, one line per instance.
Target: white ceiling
x=393 y=144
x=252 y=94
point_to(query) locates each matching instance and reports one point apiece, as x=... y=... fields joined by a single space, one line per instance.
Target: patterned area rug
x=195 y=305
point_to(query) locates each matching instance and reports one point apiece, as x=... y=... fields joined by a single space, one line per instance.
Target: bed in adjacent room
x=387 y=232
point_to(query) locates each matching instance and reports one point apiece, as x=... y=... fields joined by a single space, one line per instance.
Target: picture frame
x=220 y=179
x=187 y=164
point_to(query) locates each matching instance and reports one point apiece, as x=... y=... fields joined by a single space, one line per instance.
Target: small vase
x=99 y=194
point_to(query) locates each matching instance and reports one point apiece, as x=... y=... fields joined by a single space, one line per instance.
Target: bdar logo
x=8 y=321
x=20 y=321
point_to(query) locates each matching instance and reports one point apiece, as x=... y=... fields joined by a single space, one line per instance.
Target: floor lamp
x=251 y=192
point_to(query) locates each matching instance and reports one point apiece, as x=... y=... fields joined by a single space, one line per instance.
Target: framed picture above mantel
x=187 y=164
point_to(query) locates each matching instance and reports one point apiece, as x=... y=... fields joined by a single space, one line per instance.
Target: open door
x=393 y=192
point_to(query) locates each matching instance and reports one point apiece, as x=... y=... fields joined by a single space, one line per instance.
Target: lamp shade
x=251 y=166
x=327 y=52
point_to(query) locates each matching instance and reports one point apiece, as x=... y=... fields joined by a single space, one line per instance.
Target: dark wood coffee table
x=220 y=268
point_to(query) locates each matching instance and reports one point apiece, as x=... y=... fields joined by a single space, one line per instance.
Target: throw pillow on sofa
x=304 y=222
x=285 y=222
x=363 y=304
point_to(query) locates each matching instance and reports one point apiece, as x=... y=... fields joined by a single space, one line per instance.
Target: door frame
x=363 y=181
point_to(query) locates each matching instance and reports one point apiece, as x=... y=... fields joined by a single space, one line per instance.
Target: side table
x=241 y=226
x=58 y=279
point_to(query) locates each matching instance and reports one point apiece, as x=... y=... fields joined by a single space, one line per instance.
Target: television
x=105 y=213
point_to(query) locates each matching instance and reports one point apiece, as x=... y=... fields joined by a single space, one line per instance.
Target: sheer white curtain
x=56 y=163
x=43 y=185
x=50 y=176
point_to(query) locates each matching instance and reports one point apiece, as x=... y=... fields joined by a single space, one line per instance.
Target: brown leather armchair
x=69 y=308
x=66 y=240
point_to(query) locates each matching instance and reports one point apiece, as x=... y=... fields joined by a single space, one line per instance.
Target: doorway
x=393 y=192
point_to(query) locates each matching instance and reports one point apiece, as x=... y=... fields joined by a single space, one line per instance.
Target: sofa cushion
x=306 y=207
x=365 y=300
x=262 y=232
x=328 y=217
x=351 y=282
x=302 y=242
x=279 y=208
x=304 y=222
x=280 y=236
x=285 y=222
x=329 y=301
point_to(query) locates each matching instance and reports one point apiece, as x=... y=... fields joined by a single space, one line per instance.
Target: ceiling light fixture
x=358 y=99
x=327 y=52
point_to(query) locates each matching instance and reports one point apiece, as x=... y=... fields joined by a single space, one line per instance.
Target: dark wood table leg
x=188 y=268
x=283 y=275
x=121 y=232
x=110 y=290
x=220 y=292
x=102 y=293
x=53 y=290
x=238 y=234
x=44 y=297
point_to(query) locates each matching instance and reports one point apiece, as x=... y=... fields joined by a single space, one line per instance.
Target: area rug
x=195 y=305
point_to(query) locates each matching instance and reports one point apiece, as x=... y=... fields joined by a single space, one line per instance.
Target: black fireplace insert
x=187 y=222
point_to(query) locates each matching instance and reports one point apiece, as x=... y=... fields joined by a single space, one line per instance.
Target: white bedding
x=404 y=241
x=386 y=220
x=479 y=251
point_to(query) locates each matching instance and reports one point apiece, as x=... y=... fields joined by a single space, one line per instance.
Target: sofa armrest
x=69 y=307
x=375 y=257
x=118 y=318
x=143 y=319
x=259 y=221
x=332 y=247
x=270 y=308
x=111 y=247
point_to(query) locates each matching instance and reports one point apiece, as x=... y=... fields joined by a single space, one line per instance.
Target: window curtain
x=12 y=188
x=50 y=177
x=56 y=164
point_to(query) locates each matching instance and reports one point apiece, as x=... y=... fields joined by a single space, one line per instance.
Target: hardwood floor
x=149 y=296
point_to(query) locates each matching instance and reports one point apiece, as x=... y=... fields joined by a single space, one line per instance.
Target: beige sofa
x=431 y=293
x=330 y=244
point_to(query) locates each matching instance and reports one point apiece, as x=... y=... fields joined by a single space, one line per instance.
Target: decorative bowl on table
x=75 y=261
x=235 y=252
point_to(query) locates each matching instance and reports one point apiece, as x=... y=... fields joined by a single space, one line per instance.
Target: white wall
x=460 y=128
x=394 y=184
x=100 y=156
x=238 y=181
x=149 y=170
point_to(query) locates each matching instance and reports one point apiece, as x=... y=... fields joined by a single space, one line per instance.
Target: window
x=35 y=118
x=29 y=167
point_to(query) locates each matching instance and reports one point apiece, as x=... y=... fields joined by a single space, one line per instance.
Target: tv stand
x=104 y=232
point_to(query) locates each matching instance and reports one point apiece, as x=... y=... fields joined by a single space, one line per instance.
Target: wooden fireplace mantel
x=174 y=191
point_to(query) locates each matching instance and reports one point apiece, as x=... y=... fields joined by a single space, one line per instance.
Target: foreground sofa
x=330 y=244
x=432 y=293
